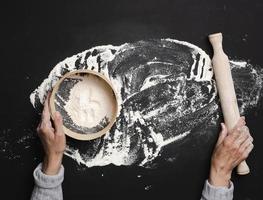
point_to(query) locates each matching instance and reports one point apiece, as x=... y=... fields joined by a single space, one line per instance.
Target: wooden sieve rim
x=71 y=133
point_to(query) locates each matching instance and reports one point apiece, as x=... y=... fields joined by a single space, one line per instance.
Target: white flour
x=134 y=139
x=90 y=100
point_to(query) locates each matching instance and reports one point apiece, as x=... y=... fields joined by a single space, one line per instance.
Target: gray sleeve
x=211 y=192
x=47 y=187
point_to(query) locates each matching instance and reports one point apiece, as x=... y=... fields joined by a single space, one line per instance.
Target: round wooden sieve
x=75 y=134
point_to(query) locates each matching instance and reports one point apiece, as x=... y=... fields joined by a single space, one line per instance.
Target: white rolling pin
x=226 y=90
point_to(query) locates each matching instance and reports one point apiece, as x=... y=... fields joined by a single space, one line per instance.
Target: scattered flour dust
x=127 y=143
x=90 y=100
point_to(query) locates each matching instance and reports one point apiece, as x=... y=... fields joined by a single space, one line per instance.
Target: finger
x=46 y=113
x=251 y=138
x=45 y=131
x=249 y=148
x=222 y=135
x=247 y=151
x=58 y=123
x=45 y=127
x=243 y=133
x=240 y=122
x=243 y=129
x=235 y=131
x=241 y=139
x=47 y=99
x=244 y=151
x=245 y=144
x=49 y=124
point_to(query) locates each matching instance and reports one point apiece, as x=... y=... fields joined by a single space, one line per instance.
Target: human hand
x=53 y=140
x=231 y=149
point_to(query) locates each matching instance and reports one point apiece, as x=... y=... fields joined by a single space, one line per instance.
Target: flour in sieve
x=90 y=100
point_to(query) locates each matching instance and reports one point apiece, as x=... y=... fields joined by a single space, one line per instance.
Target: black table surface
x=38 y=34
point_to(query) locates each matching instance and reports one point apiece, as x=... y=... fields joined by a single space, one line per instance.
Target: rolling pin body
x=226 y=90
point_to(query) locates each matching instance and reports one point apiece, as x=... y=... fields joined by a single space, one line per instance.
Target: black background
x=38 y=34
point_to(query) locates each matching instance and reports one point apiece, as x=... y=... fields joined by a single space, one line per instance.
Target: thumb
x=58 y=123
x=222 y=134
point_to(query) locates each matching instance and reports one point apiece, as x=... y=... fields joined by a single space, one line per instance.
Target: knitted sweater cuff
x=48 y=181
x=218 y=193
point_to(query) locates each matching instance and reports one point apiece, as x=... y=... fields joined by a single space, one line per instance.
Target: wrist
x=219 y=177
x=51 y=164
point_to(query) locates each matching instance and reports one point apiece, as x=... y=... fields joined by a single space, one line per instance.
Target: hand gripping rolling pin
x=226 y=90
